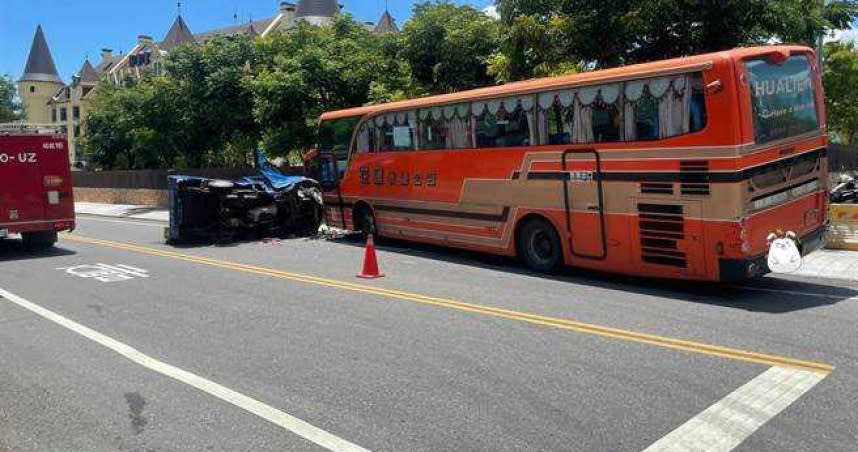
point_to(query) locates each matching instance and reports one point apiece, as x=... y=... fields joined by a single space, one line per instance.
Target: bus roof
x=652 y=69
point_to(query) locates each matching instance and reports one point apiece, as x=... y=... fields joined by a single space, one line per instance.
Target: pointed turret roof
x=387 y=24
x=317 y=8
x=87 y=74
x=40 y=64
x=251 y=31
x=178 y=35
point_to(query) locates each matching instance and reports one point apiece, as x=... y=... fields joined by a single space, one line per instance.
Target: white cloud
x=492 y=11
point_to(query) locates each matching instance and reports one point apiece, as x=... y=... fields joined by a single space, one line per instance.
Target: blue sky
x=79 y=28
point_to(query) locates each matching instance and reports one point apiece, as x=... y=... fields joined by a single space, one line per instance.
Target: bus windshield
x=783 y=98
x=334 y=141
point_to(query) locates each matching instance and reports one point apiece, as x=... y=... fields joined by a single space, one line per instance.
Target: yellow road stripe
x=571 y=325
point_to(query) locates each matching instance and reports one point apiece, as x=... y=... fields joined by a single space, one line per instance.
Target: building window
x=53 y=115
x=76 y=112
x=64 y=114
x=76 y=131
x=32 y=89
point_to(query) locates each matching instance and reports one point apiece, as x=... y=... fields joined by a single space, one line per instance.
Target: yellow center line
x=535 y=319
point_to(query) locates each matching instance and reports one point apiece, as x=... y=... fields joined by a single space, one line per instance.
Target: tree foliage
x=449 y=47
x=840 y=77
x=221 y=100
x=9 y=108
x=542 y=36
x=309 y=70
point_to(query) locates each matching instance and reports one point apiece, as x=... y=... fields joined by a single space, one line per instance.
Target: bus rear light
x=53 y=181
x=719 y=248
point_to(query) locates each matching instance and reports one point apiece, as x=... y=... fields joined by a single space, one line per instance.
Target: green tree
x=449 y=47
x=214 y=102
x=306 y=71
x=541 y=36
x=9 y=108
x=134 y=127
x=840 y=77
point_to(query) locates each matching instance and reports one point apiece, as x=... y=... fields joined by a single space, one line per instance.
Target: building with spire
x=40 y=81
x=48 y=100
x=387 y=24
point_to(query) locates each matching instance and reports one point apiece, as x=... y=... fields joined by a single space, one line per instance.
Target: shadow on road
x=13 y=250
x=769 y=294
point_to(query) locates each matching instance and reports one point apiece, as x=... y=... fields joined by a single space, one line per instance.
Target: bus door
x=667 y=237
x=330 y=173
x=584 y=204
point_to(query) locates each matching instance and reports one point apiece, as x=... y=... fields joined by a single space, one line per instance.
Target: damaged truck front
x=269 y=204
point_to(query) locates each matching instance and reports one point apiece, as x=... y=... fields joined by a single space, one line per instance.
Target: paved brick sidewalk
x=832 y=264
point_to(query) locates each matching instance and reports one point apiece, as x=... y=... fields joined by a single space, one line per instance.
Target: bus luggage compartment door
x=584 y=203
x=667 y=237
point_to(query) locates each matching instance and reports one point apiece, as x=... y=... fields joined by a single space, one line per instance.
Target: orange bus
x=680 y=168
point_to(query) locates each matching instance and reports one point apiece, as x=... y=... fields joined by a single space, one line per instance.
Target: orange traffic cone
x=370 y=261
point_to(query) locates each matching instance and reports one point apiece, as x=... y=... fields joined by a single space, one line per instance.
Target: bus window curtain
x=630 y=128
x=459 y=134
x=542 y=126
x=363 y=140
x=665 y=115
x=674 y=109
x=532 y=128
x=582 y=130
x=682 y=106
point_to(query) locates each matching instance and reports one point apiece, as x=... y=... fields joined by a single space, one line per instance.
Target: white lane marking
x=797 y=293
x=152 y=223
x=267 y=412
x=724 y=425
x=106 y=273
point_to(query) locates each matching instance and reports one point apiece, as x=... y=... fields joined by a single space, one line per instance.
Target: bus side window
x=664 y=107
x=396 y=132
x=606 y=123
x=503 y=128
x=446 y=127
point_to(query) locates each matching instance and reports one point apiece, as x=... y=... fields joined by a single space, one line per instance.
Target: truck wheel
x=37 y=241
x=539 y=246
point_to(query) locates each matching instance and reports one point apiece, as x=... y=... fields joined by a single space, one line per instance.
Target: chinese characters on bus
x=378 y=176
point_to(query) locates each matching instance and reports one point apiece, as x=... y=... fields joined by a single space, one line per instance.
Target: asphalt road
x=452 y=351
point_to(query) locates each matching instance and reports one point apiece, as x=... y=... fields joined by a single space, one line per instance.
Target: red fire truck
x=36 y=198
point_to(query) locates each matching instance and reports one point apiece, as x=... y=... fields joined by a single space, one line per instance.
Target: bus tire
x=539 y=246
x=365 y=221
x=38 y=241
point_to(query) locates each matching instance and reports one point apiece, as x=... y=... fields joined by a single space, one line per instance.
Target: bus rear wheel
x=38 y=241
x=539 y=246
x=365 y=221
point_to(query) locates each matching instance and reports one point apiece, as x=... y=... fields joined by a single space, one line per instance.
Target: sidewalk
x=830 y=264
x=122 y=211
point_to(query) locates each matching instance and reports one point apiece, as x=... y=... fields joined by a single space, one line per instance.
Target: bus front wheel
x=38 y=241
x=539 y=246
x=365 y=221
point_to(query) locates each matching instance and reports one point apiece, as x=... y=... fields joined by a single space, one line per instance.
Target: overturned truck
x=267 y=205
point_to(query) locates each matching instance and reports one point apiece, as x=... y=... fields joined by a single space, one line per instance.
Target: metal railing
x=16 y=128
